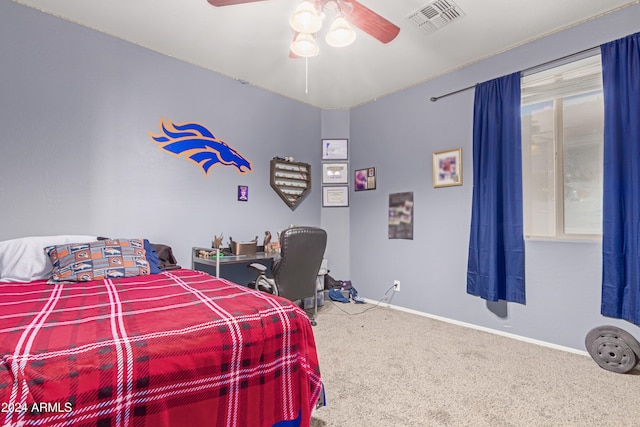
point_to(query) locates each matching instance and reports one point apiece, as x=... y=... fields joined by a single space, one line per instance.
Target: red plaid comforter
x=180 y=348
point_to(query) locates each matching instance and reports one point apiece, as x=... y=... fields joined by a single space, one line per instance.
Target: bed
x=170 y=348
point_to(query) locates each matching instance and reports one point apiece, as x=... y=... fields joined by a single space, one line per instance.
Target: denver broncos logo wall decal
x=198 y=145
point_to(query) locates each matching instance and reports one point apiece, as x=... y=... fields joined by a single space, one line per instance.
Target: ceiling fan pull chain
x=306 y=76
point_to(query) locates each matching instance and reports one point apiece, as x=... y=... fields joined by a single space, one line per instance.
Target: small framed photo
x=335 y=173
x=447 y=168
x=333 y=197
x=243 y=193
x=365 y=179
x=335 y=149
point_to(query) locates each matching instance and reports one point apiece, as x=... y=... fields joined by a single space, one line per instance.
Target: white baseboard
x=481 y=328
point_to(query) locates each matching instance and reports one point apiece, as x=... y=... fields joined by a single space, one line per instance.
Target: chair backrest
x=301 y=251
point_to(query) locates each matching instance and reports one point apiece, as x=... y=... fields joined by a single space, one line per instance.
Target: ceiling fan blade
x=219 y=3
x=370 y=22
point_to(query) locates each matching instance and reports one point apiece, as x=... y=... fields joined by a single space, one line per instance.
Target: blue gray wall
x=398 y=134
x=76 y=108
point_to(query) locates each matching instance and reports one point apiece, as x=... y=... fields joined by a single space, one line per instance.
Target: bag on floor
x=331 y=283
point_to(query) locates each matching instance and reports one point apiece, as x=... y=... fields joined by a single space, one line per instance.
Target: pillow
x=24 y=259
x=152 y=256
x=104 y=259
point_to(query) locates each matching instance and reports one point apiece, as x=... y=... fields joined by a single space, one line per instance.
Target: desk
x=217 y=262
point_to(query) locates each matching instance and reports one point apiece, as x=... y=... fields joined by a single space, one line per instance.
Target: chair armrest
x=258 y=267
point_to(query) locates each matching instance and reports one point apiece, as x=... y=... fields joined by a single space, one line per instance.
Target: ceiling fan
x=353 y=12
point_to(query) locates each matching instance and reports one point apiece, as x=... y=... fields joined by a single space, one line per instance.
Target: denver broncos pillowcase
x=104 y=259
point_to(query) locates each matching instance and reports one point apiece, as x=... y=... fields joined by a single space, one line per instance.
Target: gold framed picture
x=447 y=168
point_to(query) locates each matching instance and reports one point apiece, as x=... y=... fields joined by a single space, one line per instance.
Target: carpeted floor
x=385 y=367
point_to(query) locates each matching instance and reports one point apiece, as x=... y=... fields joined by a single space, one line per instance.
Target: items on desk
x=208 y=254
x=217 y=242
x=243 y=248
x=271 y=248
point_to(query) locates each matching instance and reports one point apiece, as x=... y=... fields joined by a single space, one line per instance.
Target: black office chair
x=296 y=269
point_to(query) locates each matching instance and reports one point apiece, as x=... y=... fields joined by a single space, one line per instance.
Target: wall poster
x=401 y=216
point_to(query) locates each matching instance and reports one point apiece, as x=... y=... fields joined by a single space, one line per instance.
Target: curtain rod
x=435 y=98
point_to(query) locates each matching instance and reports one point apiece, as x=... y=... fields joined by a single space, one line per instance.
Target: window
x=562 y=150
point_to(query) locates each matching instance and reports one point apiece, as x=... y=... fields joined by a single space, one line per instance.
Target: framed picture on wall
x=243 y=193
x=334 y=197
x=335 y=173
x=365 y=179
x=335 y=149
x=447 y=168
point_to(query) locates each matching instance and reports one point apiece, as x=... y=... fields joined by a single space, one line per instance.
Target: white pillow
x=24 y=259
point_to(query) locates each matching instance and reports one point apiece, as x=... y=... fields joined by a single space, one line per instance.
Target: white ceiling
x=250 y=42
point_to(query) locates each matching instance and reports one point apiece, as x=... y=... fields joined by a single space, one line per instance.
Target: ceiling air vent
x=435 y=15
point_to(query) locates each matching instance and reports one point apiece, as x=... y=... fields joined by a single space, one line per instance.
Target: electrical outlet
x=396 y=285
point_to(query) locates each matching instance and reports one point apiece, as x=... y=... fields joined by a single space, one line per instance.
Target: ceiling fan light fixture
x=305 y=46
x=306 y=18
x=341 y=34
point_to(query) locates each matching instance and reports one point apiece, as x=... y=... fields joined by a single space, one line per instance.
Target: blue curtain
x=621 y=200
x=496 y=246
